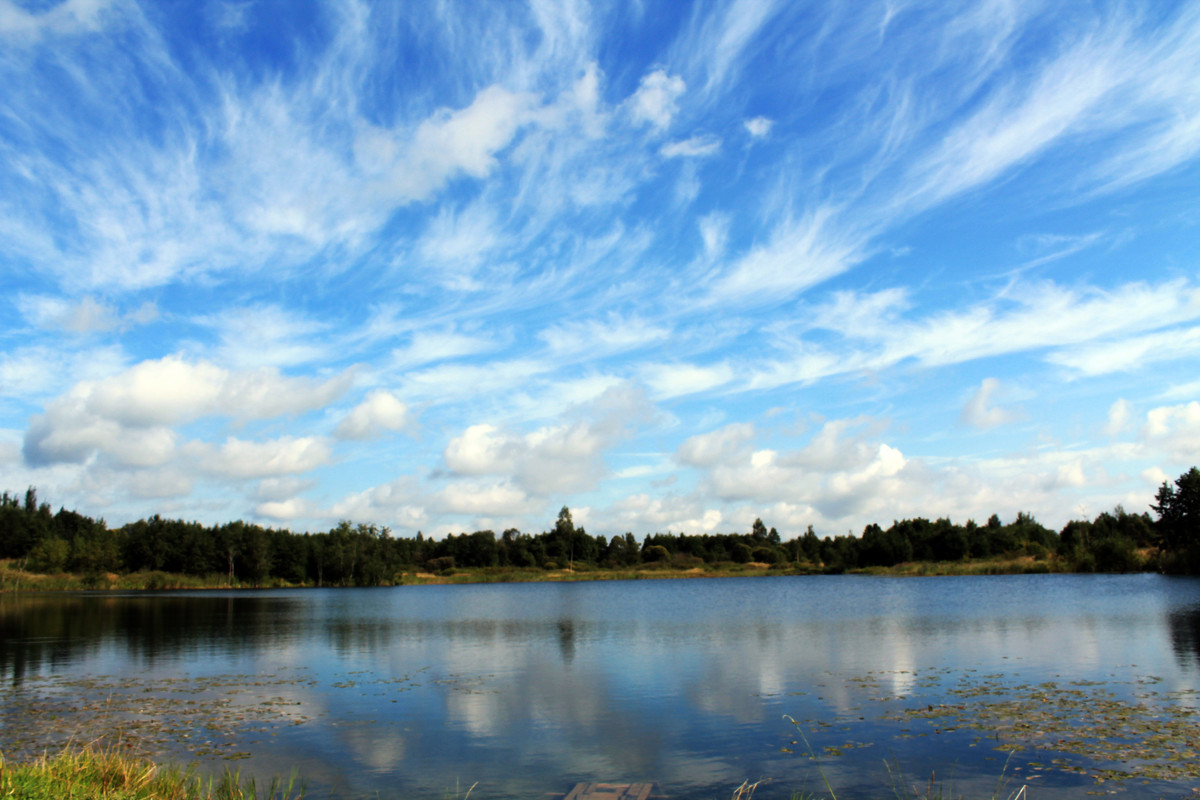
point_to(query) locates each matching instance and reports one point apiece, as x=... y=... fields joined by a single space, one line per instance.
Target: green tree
x=1178 y=524
x=758 y=530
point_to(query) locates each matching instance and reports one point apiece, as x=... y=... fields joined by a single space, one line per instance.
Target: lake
x=1067 y=684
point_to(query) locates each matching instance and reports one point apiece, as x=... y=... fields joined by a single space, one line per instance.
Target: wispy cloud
x=286 y=243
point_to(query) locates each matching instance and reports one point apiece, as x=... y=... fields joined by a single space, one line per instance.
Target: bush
x=767 y=555
x=656 y=553
x=1116 y=555
x=683 y=561
x=442 y=565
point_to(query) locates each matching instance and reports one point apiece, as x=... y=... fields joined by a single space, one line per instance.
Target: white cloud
x=448 y=144
x=979 y=411
x=240 y=459
x=471 y=497
x=70 y=16
x=1080 y=328
x=1132 y=353
x=837 y=475
x=1174 y=430
x=68 y=433
x=758 y=127
x=27 y=372
x=428 y=347
x=710 y=449
x=799 y=254
x=725 y=39
x=279 y=489
x=695 y=147
x=714 y=232
x=455 y=243
x=642 y=514
x=86 y=316
x=602 y=337
x=545 y=461
x=677 y=380
x=286 y=510
x=553 y=459
x=128 y=417
x=656 y=99
x=381 y=411
x=172 y=390
x=1120 y=413
x=268 y=336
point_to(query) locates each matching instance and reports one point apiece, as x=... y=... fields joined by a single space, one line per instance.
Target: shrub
x=656 y=553
x=442 y=565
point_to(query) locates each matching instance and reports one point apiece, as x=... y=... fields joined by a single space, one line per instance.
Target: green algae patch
x=208 y=717
x=1111 y=732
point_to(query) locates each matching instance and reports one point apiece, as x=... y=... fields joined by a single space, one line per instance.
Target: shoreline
x=16 y=581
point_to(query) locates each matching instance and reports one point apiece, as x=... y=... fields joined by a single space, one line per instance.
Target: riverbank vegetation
x=90 y=774
x=42 y=549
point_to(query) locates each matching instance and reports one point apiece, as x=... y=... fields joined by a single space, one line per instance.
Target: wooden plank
x=610 y=791
x=579 y=790
x=639 y=791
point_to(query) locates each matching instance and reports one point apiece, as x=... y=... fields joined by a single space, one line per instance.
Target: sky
x=451 y=266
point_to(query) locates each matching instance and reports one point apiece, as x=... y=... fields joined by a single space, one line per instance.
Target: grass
x=14 y=579
x=91 y=774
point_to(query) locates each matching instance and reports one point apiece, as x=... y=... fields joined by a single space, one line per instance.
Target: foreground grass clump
x=88 y=774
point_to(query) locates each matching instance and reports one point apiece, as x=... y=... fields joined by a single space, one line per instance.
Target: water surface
x=525 y=689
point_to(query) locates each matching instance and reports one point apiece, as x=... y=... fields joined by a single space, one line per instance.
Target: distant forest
x=244 y=554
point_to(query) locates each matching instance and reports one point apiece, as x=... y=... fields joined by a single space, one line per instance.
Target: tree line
x=40 y=540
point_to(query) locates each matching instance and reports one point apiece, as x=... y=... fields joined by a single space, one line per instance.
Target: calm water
x=526 y=689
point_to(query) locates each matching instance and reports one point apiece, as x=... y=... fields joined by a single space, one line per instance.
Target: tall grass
x=92 y=774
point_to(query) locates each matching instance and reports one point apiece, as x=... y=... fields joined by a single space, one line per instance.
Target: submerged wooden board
x=610 y=791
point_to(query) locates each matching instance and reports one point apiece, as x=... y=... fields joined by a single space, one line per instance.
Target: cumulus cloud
x=127 y=423
x=69 y=433
x=839 y=472
x=1174 y=430
x=710 y=449
x=381 y=411
x=548 y=460
x=451 y=142
x=482 y=498
x=647 y=514
x=979 y=411
x=656 y=100
x=286 y=510
x=238 y=458
x=173 y=390
x=555 y=458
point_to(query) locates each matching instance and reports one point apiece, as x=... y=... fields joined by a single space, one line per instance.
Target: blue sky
x=451 y=266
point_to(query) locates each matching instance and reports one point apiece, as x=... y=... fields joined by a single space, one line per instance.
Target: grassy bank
x=87 y=774
x=13 y=578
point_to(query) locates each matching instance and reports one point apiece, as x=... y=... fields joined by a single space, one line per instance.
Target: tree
x=1178 y=524
x=758 y=530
